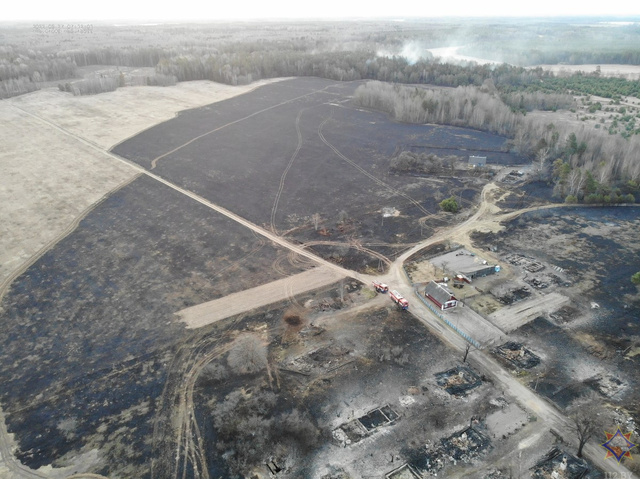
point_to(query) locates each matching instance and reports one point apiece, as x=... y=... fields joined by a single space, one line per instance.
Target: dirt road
x=249 y=299
x=9 y=466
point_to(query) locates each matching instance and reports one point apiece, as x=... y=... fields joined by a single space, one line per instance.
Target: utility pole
x=466 y=352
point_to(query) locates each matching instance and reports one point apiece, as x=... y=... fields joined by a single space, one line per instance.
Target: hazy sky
x=167 y=10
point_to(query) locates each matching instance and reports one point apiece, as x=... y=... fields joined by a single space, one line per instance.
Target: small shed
x=475 y=161
x=440 y=295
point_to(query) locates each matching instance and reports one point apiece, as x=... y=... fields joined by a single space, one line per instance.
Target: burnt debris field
x=590 y=344
x=99 y=306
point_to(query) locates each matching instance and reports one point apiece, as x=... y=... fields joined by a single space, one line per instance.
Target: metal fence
x=449 y=323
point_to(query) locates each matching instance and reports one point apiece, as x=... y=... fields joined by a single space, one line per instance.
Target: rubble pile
x=463 y=446
x=458 y=381
x=517 y=355
x=558 y=464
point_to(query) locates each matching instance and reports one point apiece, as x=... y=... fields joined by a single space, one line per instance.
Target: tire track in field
x=261 y=242
x=365 y=172
x=274 y=209
x=154 y=162
x=177 y=438
x=353 y=244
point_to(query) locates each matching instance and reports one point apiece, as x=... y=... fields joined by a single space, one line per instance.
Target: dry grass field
x=50 y=178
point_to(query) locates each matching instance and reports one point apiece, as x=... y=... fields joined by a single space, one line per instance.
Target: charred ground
x=589 y=344
x=99 y=311
x=297 y=148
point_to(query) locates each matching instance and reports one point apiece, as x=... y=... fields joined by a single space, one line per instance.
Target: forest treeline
x=232 y=55
x=533 y=56
x=581 y=42
x=582 y=162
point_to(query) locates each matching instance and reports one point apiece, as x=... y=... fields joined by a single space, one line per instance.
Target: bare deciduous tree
x=585 y=419
x=541 y=167
x=248 y=354
x=316 y=220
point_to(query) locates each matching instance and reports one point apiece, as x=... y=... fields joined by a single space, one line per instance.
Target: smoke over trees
x=381 y=51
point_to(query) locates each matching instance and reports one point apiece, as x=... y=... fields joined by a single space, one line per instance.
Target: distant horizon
x=190 y=11
x=622 y=19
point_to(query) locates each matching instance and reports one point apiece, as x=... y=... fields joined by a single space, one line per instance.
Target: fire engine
x=380 y=287
x=399 y=300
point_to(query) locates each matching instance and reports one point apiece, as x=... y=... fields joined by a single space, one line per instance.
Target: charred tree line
x=582 y=162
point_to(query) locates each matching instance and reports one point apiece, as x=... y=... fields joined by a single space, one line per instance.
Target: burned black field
x=88 y=330
x=296 y=157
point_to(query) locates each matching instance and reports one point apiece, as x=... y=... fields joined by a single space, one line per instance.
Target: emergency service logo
x=618 y=445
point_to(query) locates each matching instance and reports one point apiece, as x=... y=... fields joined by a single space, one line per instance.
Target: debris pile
x=534 y=266
x=543 y=281
x=517 y=355
x=607 y=385
x=558 y=464
x=463 y=446
x=458 y=381
x=515 y=294
x=355 y=430
x=319 y=361
x=518 y=259
x=513 y=176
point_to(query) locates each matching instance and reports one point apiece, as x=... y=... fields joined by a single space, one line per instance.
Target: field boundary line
x=259 y=83
x=4 y=286
x=229 y=214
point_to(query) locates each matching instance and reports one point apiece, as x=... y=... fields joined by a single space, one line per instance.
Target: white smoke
x=410 y=51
